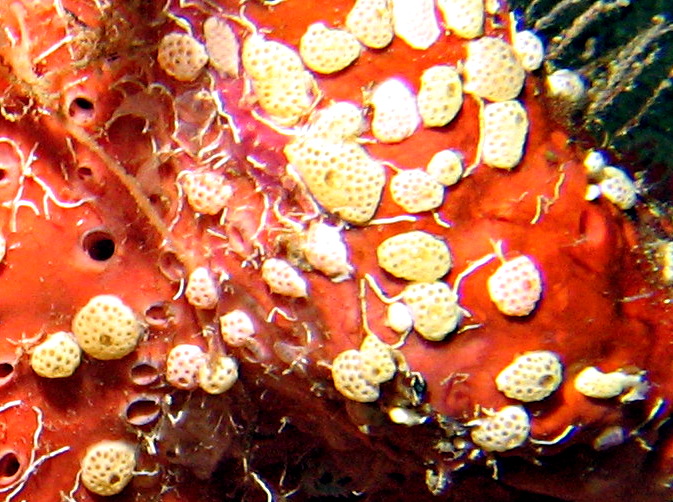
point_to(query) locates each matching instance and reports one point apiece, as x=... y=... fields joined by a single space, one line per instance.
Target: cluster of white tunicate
x=280 y=82
x=611 y=182
x=202 y=290
x=504 y=430
x=357 y=374
x=434 y=309
x=532 y=376
x=440 y=96
x=395 y=114
x=492 y=70
x=222 y=46
x=592 y=382
x=283 y=279
x=106 y=328
x=328 y=50
x=182 y=56
x=108 y=466
x=516 y=286
x=182 y=366
x=371 y=21
x=504 y=131
x=529 y=49
x=237 y=328
x=56 y=357
x=415 y=256
x=415 y=22
x=326 y=251
x=207 y=192
x=340 y=120
x=446 y=166
x=415 y=191
x=218 y=375
x=465 y=18
x=340 y=175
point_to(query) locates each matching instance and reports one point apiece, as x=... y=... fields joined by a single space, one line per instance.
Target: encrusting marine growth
x=301 y=250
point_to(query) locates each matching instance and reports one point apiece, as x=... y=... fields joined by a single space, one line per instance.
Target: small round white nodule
x=416 y=191
x=396 y=114
x=440 y=96
x=108 y=467
x=465 y=18
x=328 y=50
x=202 y=291
x=349 y=379
x=593 y=192
x=371 y=21
x=516 y=286
x=446 y=166
x=664 y=257
x=532 y=376
x=106 y=328
x=219 y=375
x=504 y=132
x=283 y=279
x=618 y=188
x=183 y=365
x=506 y=429
x=338 y=121
x=222 y=46
x=326 y=251
x=529 y=49
x=182 y=56
x=566 y=85
x=237 y=328
x=399 y=318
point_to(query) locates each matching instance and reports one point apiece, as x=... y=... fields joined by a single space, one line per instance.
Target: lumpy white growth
x=415 y=22
x=516 y=286
x=371 y=21
x=505 y=128
x=465 y=18
x=415 y=191
x=415 y=256
x=218 y=375
x=341 y=176
x=592 y=382
x=505 y=430
x=182 y=56
x=446 y=166
x=529 y=49
x=237 y=328
x=532 y=376
x=207 y=192
x=378 y=363
x=341 y=120
x=395 y=113
x=56 y=357
x=326 y=251
x=399 y=318
x=434 y=308
x=183 y=364
x=283 y=279
x=492 y=70
x=349 y=379
x=594 y=162
x=106 y=328
x=107 y=467
x=328 y=50
x=618 y=188
x=566 y=85
x=202 y=289
x=440 y=96
x=222 y=46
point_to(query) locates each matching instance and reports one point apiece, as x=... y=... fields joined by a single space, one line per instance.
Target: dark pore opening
x=99 y=245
